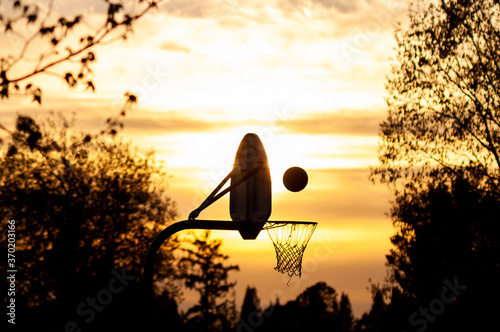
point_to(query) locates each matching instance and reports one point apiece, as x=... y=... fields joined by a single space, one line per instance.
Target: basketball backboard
x=250 y=201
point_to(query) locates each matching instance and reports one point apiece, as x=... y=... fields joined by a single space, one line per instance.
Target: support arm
x=171 y=230
x=214 y=196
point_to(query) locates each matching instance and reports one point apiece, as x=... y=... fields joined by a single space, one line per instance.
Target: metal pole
x=171 y=230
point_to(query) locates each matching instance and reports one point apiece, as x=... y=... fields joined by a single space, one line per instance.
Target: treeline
x=318 y=308
x=85 y=214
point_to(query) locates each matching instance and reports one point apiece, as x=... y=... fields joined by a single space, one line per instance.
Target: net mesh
x=290 y=240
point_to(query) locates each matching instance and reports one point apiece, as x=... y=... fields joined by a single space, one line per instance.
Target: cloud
x=343 y=122
x=343 y=6
x=169 y=123
x=174 y=47
x=194 y=9
x=186 y=8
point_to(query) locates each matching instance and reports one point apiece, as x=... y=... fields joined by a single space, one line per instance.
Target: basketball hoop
x=250 y=204
x=290 y=239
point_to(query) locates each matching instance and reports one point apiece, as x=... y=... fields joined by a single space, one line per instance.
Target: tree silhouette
x=203 y=270
x=346 y=317
x=319 y=306
x=439 y=153
x=251 y=310
x=444 y=97
x=447 y=234
x=42 y=41
x=375 y=320
x=78 y=218
x=315 y=309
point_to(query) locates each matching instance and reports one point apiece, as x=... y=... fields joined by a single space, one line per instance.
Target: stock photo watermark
x=381 y=19
x=93 y=305
x=11 y=271
x=152 y=80
x=254 y=320
x=421 y=318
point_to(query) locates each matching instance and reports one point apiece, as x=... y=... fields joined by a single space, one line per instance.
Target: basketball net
x=290 y=240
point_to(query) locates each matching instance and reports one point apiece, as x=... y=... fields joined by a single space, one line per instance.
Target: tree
x=78 y=218
x=203 y=269
x=448 y=234
x=315 y=309
x=444 y=97
x=44 y=42
x=320 y=299
x=346 y=317
x=250 y=310
x=374 y=320
x=439 y=153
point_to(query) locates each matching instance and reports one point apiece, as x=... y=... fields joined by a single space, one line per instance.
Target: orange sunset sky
x=306 y=76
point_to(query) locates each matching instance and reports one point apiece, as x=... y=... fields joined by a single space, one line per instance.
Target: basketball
x=295 y=179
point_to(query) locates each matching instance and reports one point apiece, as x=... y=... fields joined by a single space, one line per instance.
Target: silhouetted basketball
x=295 y=179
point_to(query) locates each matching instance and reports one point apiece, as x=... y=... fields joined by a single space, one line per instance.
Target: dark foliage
x=316 y=309
x=439 y=153
x=203 y=270
x=81 y=216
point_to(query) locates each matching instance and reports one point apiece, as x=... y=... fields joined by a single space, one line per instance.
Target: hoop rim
x=282 y=223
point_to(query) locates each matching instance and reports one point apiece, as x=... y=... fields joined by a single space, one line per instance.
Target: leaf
x=11 y=151
x=90 y=85
x=4 y=92
x=71 y=24
x=32 y=17
x=114 y=8
x=33 y=139
x=127 y=21
x=131 y=98
x=70 y=80
x=37 y=96
x=25 y=123
x=47 y=30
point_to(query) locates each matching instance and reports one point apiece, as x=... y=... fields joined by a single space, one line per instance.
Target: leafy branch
x=57 y=35
x=28 y=134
